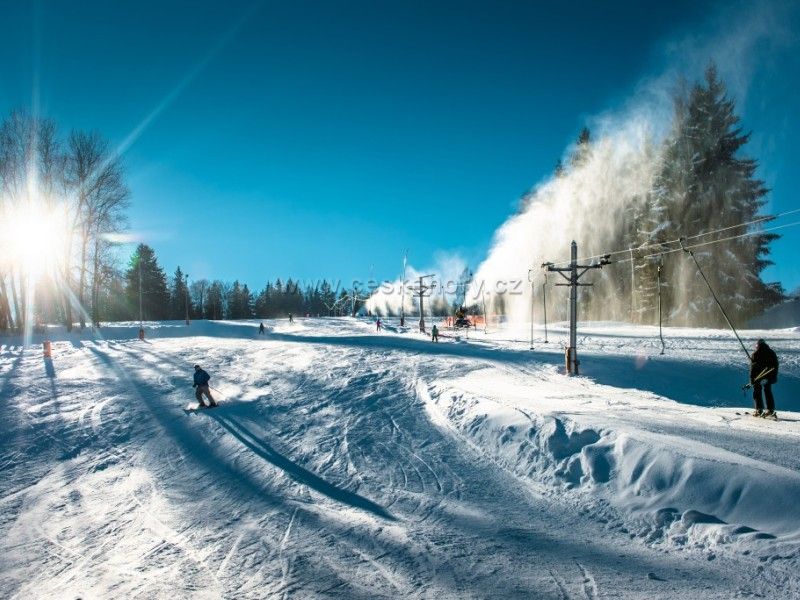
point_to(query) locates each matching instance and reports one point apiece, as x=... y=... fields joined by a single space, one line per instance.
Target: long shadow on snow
x=697 y=383
x=298 y=473
x=196 y=448
x=13 y=371
x=295 y=471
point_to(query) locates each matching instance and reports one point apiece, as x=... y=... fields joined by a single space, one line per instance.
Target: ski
x=195 y=407
x=772 y=417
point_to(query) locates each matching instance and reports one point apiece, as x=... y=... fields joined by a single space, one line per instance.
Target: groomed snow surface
x=345 y=462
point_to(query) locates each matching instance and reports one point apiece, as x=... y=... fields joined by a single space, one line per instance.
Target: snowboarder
x=261 y=329
x=201 y=379
x=435 y=334
x=378 y=325
x=763 y=373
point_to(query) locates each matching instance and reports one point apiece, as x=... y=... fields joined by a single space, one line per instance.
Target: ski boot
x=757 y=413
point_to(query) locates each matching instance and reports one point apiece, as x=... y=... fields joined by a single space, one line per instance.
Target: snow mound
x=659 y=488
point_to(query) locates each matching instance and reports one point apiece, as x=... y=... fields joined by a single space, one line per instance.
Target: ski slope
x=348 y=463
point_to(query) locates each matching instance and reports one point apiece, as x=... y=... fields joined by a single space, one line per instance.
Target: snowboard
x=196 y=406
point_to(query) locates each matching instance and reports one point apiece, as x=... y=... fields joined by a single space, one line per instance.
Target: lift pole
x=141 y=325
x=660 y=333
x=633 y=284
x=575 y=271
x=423 y=290
x=403 y=292
x=186 y=288
x=530 y=278
x=544 y=303
x=485 y=316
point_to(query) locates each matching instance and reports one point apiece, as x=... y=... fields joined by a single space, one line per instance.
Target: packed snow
x=354 y=463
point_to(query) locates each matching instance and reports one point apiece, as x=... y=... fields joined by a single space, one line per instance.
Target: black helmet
x=760 y=343
x=197 y=366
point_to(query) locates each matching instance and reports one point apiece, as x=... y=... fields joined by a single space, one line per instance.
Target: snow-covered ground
x=349 y=463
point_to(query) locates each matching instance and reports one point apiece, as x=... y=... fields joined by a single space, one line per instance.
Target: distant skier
x=763 y=373
x=378 y=325
x=435 y=334
x=291 y=318
x=201 y=379
x=261 y=329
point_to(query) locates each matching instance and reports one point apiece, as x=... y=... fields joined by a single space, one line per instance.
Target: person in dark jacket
x=201 y=379
x=435 y=334
x=261 y=329
x=763 y=373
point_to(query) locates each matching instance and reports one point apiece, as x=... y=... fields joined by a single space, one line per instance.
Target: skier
x=763 y=373
x=435 y=334
x=261 y=329
x=201 y=379
x=378 y=325
x=291 y=319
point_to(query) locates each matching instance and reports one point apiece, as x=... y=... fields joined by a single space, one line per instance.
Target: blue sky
x=322 y=139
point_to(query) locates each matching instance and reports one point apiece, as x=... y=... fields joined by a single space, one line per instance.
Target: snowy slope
x=347 y=463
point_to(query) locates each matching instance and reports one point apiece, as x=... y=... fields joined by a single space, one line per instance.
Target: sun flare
x=32 y=239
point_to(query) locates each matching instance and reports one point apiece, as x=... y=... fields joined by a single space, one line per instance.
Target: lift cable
x=692 y=237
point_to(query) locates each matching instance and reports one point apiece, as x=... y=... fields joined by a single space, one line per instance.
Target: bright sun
x=32 y=239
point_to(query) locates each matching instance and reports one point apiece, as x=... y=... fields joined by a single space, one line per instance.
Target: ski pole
x=216 y=390
x=763 y=373
x=719 y=304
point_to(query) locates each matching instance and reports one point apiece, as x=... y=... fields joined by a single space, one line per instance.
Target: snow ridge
x=646 y=484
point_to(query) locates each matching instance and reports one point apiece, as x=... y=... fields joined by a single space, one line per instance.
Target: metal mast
x=575 y=271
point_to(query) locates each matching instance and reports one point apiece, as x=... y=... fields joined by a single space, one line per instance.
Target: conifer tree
x=705 y=185
x=155 y=296
x=582 y=148
x=178 y=295
x=246 y=303
x=262 y=305
x=215 y=301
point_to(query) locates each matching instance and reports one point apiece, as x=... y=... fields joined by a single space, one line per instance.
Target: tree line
x=174 y=297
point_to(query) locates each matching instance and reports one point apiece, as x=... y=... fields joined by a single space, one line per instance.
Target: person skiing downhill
x=201 y=379
x=378 y=325
x=291 y=318
x=435 y=334
x=763 y=373
x=261 y=329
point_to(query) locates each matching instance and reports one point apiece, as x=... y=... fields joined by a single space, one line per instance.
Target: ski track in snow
x=344 y=463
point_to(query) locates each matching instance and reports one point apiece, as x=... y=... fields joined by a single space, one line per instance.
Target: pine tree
x=215 y=308
x=582 y=148
x=263 y=302
x=155 y=297
x=235 y=305
x=246 y=303
x=178 y=296
x=705 y=185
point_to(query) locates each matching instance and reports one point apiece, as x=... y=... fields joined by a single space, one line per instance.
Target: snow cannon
x=460 y=319
x=46 y=349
